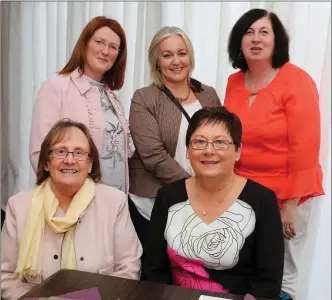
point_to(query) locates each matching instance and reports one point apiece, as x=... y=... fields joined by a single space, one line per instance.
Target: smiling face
x=101 y=52
x=69 y=173
x=258 y=41
x=173 y=60
x=210 y=162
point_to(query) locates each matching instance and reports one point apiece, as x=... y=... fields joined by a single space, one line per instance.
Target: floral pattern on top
x=112 y=160
x=190 y=273
x=215 y=245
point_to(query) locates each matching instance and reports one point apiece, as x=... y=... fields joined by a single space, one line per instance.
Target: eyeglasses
x=111 y=46
x=198 y=144
x=62 y=153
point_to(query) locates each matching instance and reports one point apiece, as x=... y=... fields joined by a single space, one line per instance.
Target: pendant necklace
x=182 y=99
x=204 y=213
x=250 y=87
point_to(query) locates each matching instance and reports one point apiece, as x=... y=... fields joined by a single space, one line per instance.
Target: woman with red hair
x=84 y=92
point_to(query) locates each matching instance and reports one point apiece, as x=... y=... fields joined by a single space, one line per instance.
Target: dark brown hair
x=57 y=134
x=114 y=77
x=216 y=115
x=281 y=39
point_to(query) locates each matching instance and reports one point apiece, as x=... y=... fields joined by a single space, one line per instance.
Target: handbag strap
x=169 y=94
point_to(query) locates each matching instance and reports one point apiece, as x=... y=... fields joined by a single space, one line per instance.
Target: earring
x=158 y=68
x=240 y=54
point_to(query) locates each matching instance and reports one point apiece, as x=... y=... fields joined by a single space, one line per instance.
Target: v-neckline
x=220 y=215
x=260 y=91
x=216 y=219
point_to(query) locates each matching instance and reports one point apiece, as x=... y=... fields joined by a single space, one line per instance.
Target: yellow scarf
x=43 y=207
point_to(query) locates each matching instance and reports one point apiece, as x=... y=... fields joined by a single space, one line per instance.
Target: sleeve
x=46 y=113
x=128 y=249
x=131 y=146
x=227 y=100
x=149 y=145
x=303 y=122
x=12 y=287
x=214 y=97
x=156 y=265
x=268 y=249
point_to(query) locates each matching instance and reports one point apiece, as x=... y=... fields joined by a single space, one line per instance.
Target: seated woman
x=216 y=231
x=68 y=221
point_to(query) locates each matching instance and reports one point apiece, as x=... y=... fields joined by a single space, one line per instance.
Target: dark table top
x=114 y=288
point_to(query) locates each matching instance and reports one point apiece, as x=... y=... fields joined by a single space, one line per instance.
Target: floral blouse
x=112 y=160
x=241 y=251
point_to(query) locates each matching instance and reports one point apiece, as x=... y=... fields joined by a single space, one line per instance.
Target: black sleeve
x=269 y=249
x=156 y=264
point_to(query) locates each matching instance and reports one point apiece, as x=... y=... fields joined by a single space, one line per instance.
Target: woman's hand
x=288 y=216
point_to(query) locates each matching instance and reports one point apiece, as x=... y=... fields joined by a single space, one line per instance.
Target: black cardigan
x=261 y=260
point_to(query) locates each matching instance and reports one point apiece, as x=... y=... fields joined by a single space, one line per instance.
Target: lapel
x=82 y=85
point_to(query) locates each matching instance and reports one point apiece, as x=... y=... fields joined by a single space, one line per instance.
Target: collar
x=196 y=85
x=82 y=84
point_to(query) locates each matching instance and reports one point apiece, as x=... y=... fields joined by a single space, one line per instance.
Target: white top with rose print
x=240 y=252
x=112 y=160
x=189 y=236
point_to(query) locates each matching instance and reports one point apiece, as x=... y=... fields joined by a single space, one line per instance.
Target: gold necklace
x=182 y=99
x=204 y=213
x=250 y=85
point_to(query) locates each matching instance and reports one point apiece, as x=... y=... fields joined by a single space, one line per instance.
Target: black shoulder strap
x=169 y=94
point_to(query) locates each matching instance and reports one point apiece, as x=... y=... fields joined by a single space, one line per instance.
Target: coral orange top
x=281 y=133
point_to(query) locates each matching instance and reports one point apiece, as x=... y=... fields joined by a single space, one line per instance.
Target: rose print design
x=190 y=273
x=217 y=244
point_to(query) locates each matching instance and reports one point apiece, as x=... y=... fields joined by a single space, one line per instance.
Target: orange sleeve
x=303 y=121
x=228 y=87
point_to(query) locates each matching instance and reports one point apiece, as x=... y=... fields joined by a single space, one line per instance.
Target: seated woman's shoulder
x=22 y=199
x=174 y=187
x=259 y=189
x=108 y=193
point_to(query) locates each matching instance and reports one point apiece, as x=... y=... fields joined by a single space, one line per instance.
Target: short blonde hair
x=162 y=34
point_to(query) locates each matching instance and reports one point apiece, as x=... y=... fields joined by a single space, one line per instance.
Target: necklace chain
x=184 y=98
x=273 y=74
x=204 y=213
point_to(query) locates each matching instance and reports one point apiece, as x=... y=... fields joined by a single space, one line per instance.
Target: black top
x=240 y=252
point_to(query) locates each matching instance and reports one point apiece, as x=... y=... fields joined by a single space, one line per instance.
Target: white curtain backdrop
x=38 y=37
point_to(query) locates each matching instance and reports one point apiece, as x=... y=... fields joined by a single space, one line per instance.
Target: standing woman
x=158 y=121
x=275 y=101
x=84 y=92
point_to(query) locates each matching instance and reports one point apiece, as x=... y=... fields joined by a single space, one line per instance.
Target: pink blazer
x=105 y=241
x=71 y=96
